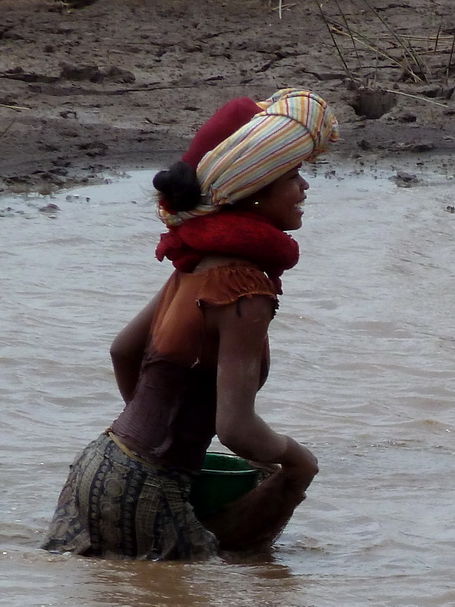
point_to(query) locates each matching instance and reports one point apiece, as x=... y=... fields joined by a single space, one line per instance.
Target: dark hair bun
x=179 y=186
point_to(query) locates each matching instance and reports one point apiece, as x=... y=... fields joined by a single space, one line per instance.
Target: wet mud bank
x=108 y=84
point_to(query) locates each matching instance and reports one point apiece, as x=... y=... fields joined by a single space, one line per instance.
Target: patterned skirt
x=114 y=506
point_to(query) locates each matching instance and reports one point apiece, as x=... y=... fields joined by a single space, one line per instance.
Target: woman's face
x=282 y=201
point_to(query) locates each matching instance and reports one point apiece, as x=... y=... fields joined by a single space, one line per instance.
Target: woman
x=190 y=364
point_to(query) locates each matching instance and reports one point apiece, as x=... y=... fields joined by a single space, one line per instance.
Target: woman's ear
x=254 y=201
x=250 y=203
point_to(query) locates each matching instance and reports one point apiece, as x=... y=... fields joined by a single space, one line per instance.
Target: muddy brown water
x=363 y=372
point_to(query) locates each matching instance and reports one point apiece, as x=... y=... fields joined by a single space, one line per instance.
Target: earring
x=256 y=204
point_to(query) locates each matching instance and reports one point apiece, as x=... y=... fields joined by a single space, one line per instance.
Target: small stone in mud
x=8 y=101
x=94 y=148
x=59 y=171
x=407 y=117
x=79 y=3
x=49 y=208
x=50 y=147
x=61 y=162
x=6 y=212
x=68 y=113
x=69 y=133
x=49 y=177
x=422 y=147
x=18 y=180
x=405 y=180
x=117 y=74
x=364 y=145
x=80 y=73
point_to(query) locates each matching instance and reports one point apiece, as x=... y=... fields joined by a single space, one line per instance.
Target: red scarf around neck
x=237 y=233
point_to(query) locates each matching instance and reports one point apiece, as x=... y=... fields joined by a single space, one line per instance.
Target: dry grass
x=412 y=54
x=408 y=59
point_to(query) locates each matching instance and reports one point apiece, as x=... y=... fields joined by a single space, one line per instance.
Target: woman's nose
x=305 y=184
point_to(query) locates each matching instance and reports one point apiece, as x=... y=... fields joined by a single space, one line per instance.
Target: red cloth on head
x=219 y=127
x=236 y=233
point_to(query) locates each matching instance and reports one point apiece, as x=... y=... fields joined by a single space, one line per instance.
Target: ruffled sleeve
x=223 y=285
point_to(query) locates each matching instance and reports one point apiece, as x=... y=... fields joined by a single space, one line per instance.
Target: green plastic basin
x=223 y=479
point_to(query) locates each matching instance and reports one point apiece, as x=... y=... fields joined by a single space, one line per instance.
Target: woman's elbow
x=120 y=357
x=121 y=348
x=115 y=352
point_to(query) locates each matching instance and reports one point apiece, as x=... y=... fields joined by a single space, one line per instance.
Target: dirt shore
x=127 y=82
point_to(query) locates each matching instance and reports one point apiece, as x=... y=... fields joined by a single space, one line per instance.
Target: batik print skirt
x=114 y=506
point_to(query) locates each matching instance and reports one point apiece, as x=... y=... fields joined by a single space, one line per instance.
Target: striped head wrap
x=293 y=126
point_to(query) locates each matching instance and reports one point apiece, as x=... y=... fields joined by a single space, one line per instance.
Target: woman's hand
x=299 y=466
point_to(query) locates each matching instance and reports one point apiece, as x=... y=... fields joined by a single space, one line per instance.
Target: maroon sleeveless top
x=173 y=411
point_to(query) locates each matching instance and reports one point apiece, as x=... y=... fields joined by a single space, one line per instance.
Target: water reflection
x=191 y=585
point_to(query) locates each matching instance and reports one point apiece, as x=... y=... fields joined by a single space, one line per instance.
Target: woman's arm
x=242 y=329
x=127 y=349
